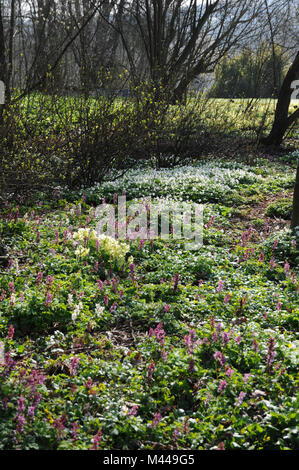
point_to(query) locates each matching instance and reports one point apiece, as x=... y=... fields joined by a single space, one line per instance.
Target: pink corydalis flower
x=141 y=244
x=150 y=370
x=133 y=411
x=176 y=282
x=21 y=404
x=293 y=278
x=21 y=421
x=222 y=386
x=210 y=222
x=229 y=371
x=287 y=269
x=164 y=355
x=39 y=277
x=192 y=334
x=49 y=299
x=227 y=298
x=132 y=272
x=272 y=263
x=113 y=307
x=11 y=332
x=188 y=343
x=240 y=398
x=75 y=429
x=279 y=305
x=218 y=356
x=167 y=308
x=56 y=237
x=49 y=280
x=114 y=284
x=220 y=286
x=262 y=257
x=156 y=420
x=9 y=363
x=275 y=244
x=96 y=440
x=11 y=287
x=226 y=337
x=89 y=383
x=214 y=337
x=219 y=327
x=185 y=429
x=31 y=412
x=74 y=365
x=244 y=237
x=159 y=333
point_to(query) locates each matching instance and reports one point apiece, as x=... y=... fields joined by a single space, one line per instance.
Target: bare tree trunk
x=181 y=40
x=282 y=121
x=3 y=64
x=295 y=214
x=10 y=49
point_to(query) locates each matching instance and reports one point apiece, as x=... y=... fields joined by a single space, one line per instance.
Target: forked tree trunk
x=282 y=121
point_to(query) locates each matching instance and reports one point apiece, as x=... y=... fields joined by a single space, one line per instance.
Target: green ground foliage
x=147 y=343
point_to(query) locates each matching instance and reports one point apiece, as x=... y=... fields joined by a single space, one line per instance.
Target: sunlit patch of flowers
x=201 y=182
x=111 y=251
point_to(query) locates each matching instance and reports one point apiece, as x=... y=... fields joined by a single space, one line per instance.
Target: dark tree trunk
x=3 y=66
x=295 y=214
x=281 y=120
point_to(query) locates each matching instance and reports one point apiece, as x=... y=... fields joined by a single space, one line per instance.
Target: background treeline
x=250 y=74
x=67 y=66
x=79 y=42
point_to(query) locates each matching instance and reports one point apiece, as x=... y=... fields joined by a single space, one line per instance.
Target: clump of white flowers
x=85 y=234
x=99 y=310
x=112 y=252
x=77 y=311
x=82 y=252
